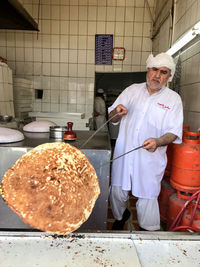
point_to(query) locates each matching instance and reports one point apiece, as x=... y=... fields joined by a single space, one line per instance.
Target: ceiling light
x=185 y=39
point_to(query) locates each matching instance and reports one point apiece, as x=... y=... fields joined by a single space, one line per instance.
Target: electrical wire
x=175 y=225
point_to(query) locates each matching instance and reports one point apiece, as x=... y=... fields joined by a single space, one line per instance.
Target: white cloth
x=148 y=214
x=100 y=107
x=148 y=116
x=147 y=209
x=8 y=135
x=162 y=60
x=118 y=199
x=100 y=91
x=41 y=126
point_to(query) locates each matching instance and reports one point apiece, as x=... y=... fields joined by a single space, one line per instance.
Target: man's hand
x=121 y=110
x=151 y=144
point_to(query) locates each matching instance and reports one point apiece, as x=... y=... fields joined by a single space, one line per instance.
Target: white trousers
x=148 y=214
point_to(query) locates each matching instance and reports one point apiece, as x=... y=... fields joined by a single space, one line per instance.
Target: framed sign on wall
x=118 y=53
x=103 y=49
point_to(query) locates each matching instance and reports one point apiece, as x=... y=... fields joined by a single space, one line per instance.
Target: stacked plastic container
x=23 y=97
x=6 y=90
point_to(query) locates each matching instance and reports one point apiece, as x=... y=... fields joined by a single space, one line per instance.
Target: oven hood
x=14 y=16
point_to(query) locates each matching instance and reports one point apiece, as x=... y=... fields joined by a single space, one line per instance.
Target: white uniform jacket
x=100 y=107
x=148 y=116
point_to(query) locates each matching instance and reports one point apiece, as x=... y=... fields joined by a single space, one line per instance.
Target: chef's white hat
x=162 y=60
x=100 y=91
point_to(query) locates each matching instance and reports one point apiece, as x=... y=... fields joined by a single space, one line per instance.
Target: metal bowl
x=57 y=132
x=5 y=118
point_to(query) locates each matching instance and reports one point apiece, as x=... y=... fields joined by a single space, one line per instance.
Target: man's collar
x=156 y=92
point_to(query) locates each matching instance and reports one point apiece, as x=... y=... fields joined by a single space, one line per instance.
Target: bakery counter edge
x=101 y=141
x=97 y=150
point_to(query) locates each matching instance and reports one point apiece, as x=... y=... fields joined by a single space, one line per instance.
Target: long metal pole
x=98 y=130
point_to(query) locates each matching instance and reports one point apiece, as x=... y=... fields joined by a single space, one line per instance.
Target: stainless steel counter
x=123 y=249
x=100 y=141
x=97 y=150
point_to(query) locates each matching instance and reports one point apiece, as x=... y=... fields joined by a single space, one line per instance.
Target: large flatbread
x=53 y=187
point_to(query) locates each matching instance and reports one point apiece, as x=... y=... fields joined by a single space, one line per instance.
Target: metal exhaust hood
x=14 y=16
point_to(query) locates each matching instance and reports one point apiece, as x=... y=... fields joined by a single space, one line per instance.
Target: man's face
x=157 y=77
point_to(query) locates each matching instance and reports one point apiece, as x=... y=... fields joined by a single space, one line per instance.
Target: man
x=151 y=115
x=100 y=111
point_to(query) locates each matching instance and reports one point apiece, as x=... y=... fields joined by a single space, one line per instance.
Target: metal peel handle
x=98 y=130
x=120 y=156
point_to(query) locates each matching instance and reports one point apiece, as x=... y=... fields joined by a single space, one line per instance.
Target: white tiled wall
x=162 y=29
x=23 y=97
x=186 y=16
x=190 y=85
x=6 y=90
x=60 y=58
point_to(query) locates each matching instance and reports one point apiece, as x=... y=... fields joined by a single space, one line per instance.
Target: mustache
x=156 y=80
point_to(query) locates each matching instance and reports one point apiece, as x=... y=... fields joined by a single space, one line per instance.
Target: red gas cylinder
x=169 y=161
x=170 y=154
x=186 y=128
x=187 y=217
x=185 y=173
x=176 y=203
x=166 y=191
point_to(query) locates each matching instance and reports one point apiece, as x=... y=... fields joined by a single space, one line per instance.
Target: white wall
x=188 y=13
x=60 y=58
x=162 y=26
